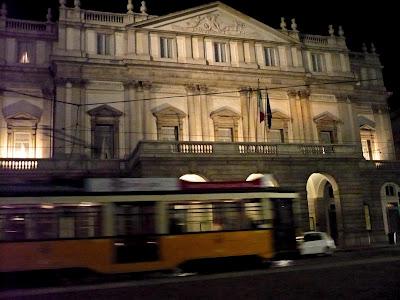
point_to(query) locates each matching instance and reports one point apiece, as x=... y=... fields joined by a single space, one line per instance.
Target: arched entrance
x=324 y=205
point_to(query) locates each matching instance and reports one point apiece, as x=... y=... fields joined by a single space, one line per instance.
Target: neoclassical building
x=102 y=94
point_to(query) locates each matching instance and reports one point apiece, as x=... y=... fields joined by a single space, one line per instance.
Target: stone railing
x=18 y=164
x=103 y=17
x=60 y=165
x=166 y=148
x=314 y=39
x=15 y=25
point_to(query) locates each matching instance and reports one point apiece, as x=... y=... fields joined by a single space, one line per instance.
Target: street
x=357 y=274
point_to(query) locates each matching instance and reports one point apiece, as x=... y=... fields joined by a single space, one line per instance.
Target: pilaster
x=244 y=96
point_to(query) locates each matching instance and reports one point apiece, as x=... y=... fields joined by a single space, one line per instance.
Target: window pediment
x=326 y=118
x=366 y=123
x=104 y=111
x=22 y=110
x=224 y=112
x=168 y=111
x=276 y=114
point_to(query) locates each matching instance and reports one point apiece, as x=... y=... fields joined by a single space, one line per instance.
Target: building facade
x=188 y=94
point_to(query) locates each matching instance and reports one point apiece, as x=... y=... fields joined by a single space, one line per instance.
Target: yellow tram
x=148 y=226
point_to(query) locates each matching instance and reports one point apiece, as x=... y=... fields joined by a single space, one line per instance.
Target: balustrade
x=18 y=164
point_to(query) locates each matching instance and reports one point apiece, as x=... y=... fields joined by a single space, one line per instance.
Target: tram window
x=13 y=223
x=228 y=215
x=135 y=218
x=66 y=226
x=44 y=226
x=216 y=216
x=15 y=227
x=80 y=221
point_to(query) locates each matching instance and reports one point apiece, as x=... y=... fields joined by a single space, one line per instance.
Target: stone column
x=244 y=94
x=58 y=132
x=68 y=117
x=253 y=118
x=44 y=137
x=383 y=132
x=130 y=116
x=305 y=109
x=205 y=125
x=190 y=90
x=300 y=123
x=139 y=111
x=3 y=128
x=149 y=122
x=294 y=115
x=75 y=117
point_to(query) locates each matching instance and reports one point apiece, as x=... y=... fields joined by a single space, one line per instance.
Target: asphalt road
x=365 y=274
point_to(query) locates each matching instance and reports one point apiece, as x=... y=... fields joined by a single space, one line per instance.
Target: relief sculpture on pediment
x=212 y=24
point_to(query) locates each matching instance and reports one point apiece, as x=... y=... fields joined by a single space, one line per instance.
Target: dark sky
x=362 y=21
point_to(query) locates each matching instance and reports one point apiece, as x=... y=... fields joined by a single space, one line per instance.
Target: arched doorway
x=324 y=205
x=390 y=194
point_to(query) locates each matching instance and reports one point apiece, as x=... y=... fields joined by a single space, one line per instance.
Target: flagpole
x=248 y=114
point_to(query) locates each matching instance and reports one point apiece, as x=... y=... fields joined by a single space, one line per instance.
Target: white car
x=315 y=242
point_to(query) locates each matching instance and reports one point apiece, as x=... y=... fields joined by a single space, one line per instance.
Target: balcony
x=59 y=166
x=240 y=149
x=29 y=28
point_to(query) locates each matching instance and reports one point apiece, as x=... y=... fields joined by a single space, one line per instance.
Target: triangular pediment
x=104 y=111
x=22 y=110
x=224 y=112
x=216 y=19
x=168 y=110
x=326 y=117
x=366 y=123
x=276 y=114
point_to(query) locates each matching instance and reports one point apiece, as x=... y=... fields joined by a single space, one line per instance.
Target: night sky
x=362 y=21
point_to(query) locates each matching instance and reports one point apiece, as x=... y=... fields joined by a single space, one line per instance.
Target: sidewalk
x=369 y=247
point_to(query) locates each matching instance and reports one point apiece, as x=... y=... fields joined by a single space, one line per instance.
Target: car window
x=312 y=237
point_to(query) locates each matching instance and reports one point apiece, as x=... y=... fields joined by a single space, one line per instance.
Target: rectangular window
x=367 y=149
x=169 y=133
x=276 y=136
x=25 y=52
x=103 y=44
x=104 y=142
x=270 y=57
x=220 y=52
x=166 y=47
x=22 y=145
x=224 y=135
x=326 y=137
x=317 y=62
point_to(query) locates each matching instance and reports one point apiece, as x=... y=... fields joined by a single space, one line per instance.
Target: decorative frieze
x=214 y=24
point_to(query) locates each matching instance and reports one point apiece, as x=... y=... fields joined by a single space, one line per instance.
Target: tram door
x=284 y=229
